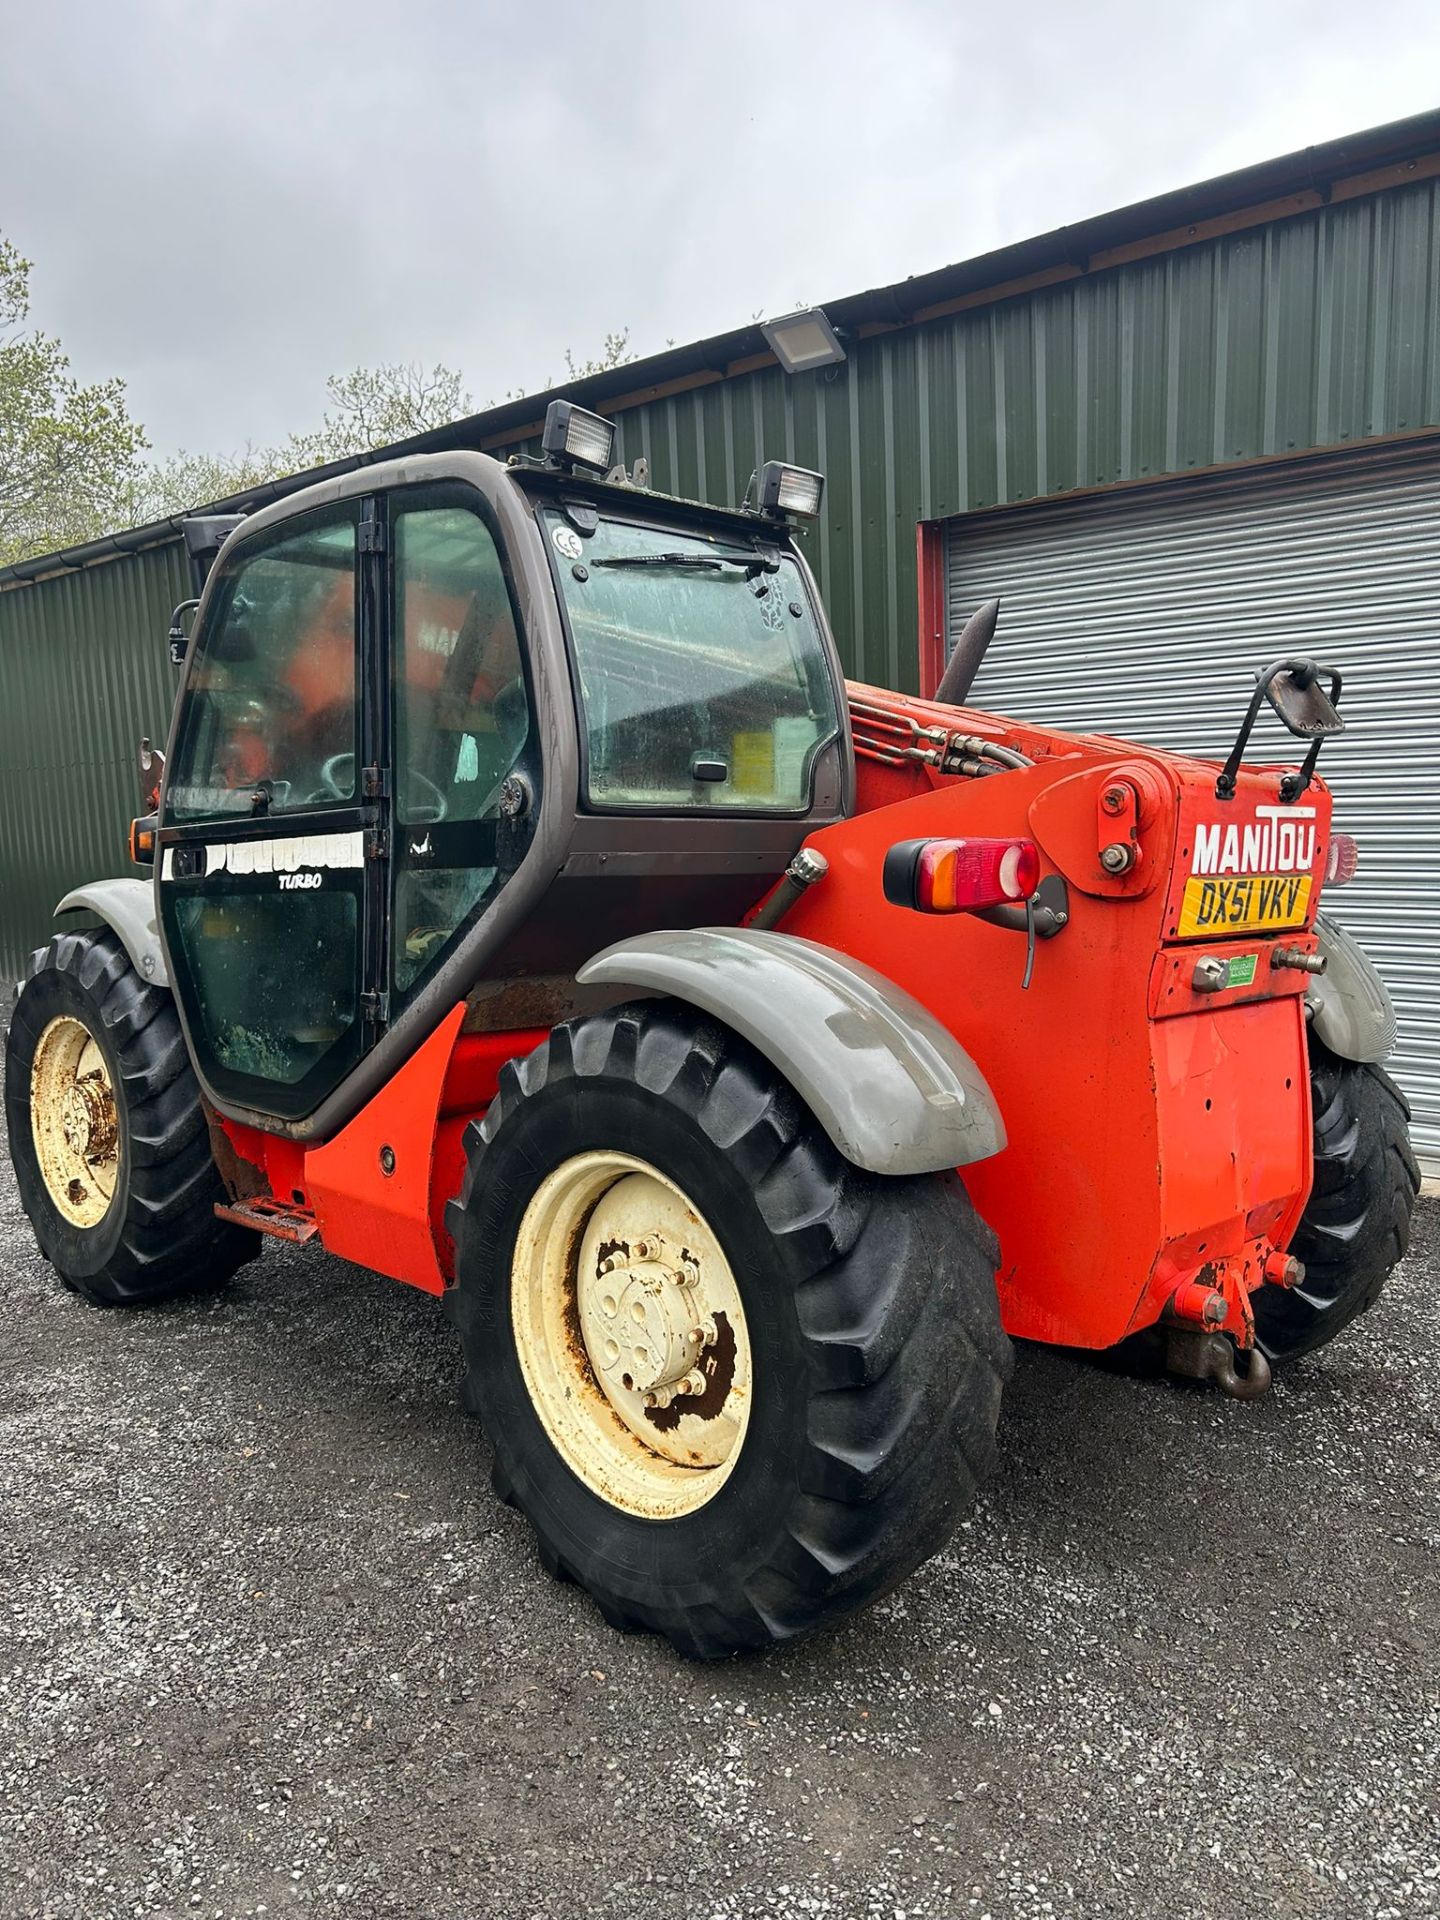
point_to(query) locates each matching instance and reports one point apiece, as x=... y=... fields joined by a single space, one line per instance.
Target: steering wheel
x=413 y=778
x=341 y=766
x=330 y=787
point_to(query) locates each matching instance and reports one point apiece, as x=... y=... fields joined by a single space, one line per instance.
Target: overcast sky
x=225 y=203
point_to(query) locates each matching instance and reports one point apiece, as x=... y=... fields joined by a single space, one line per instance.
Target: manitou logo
x=295 y=882
x=1280 y=840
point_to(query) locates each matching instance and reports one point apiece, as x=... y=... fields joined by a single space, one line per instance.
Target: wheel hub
x=641 y=1315
x=74 y=1121
x=87 y=1117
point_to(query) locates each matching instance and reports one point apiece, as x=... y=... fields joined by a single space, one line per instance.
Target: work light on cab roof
x=785 y=489
x=583 y=439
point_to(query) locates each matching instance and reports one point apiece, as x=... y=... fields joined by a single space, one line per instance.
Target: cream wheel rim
x=74 y=1122
x=631 y=1335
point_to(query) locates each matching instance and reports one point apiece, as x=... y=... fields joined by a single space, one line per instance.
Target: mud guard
x=128 y=906
x=892 y=1088
x=1348 y=1005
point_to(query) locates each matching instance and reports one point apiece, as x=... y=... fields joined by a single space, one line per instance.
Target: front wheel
x=738 y=1387
x=1356 y=1225
x=107 y=1134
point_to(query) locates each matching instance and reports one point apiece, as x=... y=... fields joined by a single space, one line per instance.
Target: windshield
x=703 y=676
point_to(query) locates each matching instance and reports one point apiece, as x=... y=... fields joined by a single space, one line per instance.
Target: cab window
x=462 y=723
x=270 y=713
x=703 y=676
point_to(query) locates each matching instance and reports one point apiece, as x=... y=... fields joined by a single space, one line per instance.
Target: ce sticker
x=568 y=542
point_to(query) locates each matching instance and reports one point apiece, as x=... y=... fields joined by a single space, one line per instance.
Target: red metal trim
x=930 y=579
x=370 y=1185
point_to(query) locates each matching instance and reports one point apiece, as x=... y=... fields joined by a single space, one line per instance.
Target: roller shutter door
x=1145 y=612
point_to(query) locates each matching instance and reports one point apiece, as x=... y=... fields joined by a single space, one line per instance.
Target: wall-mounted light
x=803 y=341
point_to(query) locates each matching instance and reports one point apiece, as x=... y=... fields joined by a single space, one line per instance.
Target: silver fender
x=129 y=907
x=893 y=1089
x=1348 y=1005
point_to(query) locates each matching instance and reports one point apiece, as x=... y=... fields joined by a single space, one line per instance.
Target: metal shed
x=1105 y=424
x=1142 y=611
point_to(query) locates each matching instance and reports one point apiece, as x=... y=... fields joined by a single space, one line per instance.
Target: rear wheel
x=738 y=1387
x=1356 y=1225
x=107 y=1134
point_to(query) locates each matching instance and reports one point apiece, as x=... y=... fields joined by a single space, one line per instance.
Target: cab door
x=271 y=892
x=463 y=759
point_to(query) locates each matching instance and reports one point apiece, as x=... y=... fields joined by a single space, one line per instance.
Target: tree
x=376 y=406
x=369 y=407
x=71 y=466
x=612 y=354
x=189 y=480
x=68 y=453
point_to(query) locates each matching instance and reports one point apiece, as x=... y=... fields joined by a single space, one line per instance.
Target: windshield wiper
x=698 y=562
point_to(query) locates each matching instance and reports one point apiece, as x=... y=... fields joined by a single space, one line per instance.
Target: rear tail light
x=1341 y=859
x=960 y=876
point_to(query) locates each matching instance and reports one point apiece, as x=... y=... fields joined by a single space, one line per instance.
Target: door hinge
x=375 y=1006
x=373 y=783
x=377 y=843
x=371 y=536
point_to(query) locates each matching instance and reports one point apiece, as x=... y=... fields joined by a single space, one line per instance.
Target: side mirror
x=1293 y=689
x=179 y=635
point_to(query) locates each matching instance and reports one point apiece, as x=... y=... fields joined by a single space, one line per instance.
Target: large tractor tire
x=1356 y=1225
x=738 y=1387
x=107 y=1135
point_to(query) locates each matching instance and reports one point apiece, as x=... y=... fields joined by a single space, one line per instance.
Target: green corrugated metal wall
x=1320 y=330
x=1317 y=331
x=83 y=674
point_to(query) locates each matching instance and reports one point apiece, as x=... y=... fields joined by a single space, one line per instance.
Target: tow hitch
x=1212 y=1356
x=1196 y=1343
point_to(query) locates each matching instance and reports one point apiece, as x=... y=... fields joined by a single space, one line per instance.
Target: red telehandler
x=743 y=1057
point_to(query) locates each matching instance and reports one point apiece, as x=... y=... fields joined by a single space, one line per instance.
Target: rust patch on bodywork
x=241 y=1178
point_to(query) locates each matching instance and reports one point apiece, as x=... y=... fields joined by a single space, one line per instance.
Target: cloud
x=225 y=204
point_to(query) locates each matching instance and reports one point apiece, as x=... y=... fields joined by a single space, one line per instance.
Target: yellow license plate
x=1247 y=903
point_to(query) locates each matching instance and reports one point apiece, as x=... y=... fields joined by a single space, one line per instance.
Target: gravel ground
x=268 y=1646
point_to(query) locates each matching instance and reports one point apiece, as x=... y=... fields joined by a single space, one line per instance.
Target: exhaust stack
x=964 y=662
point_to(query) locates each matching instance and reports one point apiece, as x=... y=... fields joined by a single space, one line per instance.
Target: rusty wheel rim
x=74 y=1122
x=631 y=1335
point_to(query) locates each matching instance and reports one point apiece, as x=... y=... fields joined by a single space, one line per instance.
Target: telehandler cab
x=744 y=1058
